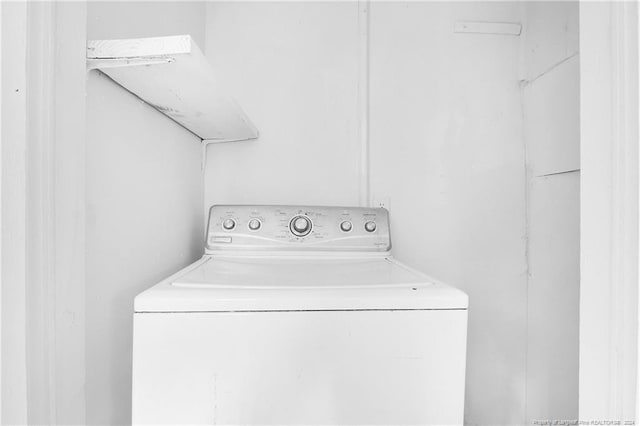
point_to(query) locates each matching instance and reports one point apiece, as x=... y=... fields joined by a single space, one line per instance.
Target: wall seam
x=363 y=102
x=523 y=83
x=527 y=82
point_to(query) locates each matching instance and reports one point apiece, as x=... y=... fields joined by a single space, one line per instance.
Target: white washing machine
x=299 y=315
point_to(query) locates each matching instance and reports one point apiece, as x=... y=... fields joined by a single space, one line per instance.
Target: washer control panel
x=297 y=228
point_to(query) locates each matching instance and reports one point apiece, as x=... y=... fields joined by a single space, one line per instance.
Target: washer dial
x=300 y=226
x=346 y=226
x=370 y=226
x=254 y=224
x=229 y=224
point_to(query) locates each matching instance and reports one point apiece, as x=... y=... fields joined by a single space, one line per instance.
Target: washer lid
x=223 y=284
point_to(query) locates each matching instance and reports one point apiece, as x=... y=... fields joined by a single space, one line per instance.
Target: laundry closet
x=471 y=141
x=460 y=118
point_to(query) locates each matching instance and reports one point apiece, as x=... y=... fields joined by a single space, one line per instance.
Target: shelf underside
x=172 y=75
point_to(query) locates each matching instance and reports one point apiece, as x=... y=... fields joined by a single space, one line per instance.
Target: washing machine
x=299 y=315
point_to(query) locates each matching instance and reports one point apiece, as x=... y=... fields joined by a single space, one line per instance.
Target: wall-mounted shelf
x=172 y=75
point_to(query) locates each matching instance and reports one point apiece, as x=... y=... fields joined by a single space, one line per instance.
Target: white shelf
x=172 y=75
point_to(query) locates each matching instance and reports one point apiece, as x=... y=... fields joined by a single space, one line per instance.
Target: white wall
x=294 y=68
x=13 y=27
x=132 y=19
x=552 y=135
x=447 y=149
x=69 y=144
x=144 y=201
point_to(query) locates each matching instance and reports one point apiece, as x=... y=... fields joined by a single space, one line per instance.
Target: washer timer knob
x=370 y=226
x=229 y=224
x=346 y=226
x=300 y=225
x=254 y=224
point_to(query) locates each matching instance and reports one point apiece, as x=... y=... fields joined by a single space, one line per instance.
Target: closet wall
x=447 y=150
x=144 y=201
x=294 y=69
x=551 y=78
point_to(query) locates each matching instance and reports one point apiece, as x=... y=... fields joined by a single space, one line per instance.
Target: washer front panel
x=296 y=368
x=284 y=228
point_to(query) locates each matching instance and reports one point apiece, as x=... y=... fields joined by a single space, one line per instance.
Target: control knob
x=370 y=226
x=254 y=224
x=300 y=225
x=346 y=226
x=229 y=224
